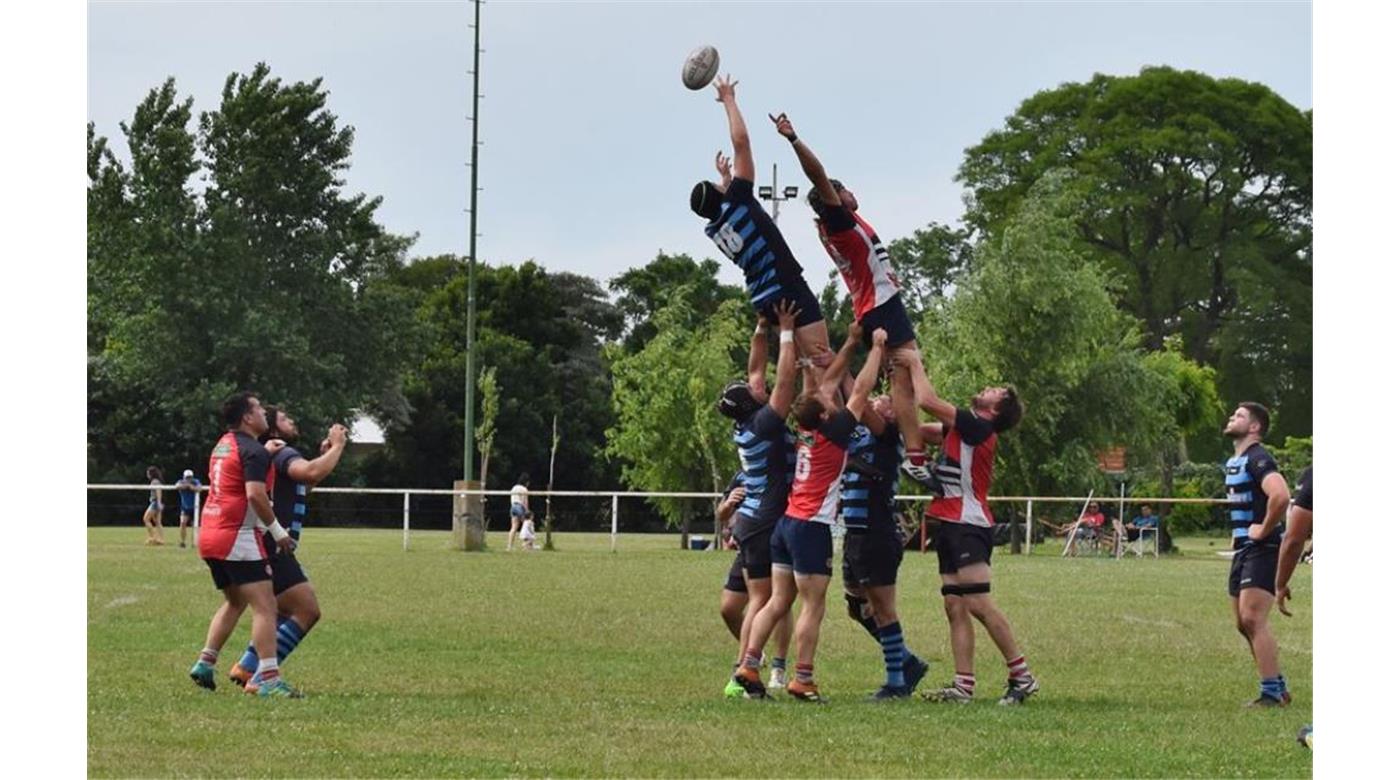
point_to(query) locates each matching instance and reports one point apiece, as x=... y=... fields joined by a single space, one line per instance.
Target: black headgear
x=737 y=401
x=704 y=200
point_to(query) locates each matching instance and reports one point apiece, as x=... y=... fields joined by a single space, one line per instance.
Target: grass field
x=587 y=663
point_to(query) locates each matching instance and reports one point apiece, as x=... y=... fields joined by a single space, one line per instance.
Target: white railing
x=615 y=495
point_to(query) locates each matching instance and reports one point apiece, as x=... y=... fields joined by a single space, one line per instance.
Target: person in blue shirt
x=1258 y=495
x=187 y=486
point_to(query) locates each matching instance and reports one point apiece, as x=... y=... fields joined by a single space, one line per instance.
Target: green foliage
x=1294 y=456
x=668 y=436
x=490 y=406
x=269 y=279
x=927 y=262
x=1197 y=199
x=642 y=292
x=1034 y=313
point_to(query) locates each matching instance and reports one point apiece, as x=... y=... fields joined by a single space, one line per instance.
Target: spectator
x=187 y=486
x=155 y=534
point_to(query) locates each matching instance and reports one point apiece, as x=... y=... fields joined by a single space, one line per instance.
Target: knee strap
x=855 y=607
x=967 y=590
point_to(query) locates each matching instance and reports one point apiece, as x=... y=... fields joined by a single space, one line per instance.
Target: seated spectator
x=1091 y=522
x=1146 y=519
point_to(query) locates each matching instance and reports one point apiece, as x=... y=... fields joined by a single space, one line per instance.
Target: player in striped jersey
x=802 y=539
x=766 y=453
x=869 y=275
x=1258 y=496
x=963 y=530
x=744 y=232
x=298 y=609
x=734 y=597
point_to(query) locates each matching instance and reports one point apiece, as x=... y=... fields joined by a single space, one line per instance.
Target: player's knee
x=855 y=607
x=309 y=615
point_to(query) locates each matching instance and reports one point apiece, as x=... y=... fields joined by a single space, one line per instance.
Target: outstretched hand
x=784 y=126
x=722 y=165
x=724 y=89
x=787 y=314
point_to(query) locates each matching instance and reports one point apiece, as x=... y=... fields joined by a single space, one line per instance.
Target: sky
x=590 y=143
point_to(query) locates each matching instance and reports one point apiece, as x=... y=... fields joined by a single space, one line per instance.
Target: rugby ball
x=700 y=67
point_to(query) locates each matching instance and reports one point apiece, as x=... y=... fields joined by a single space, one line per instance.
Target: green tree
x=1033 y=313
x=490 y=407
x=927 y=262
x=1197 y=198
x=668 y=436
x=642 y=292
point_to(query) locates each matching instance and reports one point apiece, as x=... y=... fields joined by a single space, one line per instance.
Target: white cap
x=188 y=473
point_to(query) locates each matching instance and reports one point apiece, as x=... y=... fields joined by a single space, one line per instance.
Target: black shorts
x=735 y=581
x=871 y=558
x=228 y=573
x=960 y=544
x=1254 y=566
x=756 y=554
x=286 y=572
x=803 y=546
x=809 y=309
x=891 y=316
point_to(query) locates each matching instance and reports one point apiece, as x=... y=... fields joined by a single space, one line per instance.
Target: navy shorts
x=1254 y=566
x=228 y=573
x=810 y=310
x=286 y=569
x=872 y=557
x=757 y=555
x=803 y=546
x=735 y=581
x=891 y=316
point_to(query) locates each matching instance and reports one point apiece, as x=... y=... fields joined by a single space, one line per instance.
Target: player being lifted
x=802 y=539
x=963 y=530
x=767 y=458
x=744 y=232
x=298 y=610
x=875 y=300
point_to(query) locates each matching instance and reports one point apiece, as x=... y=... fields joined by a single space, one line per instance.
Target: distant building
x=365 y=436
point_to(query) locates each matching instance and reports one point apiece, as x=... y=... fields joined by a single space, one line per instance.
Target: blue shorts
x=891 y=316
x=803 y=546
x=810 y=310
x=516 y=510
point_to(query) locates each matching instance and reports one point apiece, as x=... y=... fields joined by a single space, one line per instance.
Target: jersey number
x=728 y=240
x=804 y=465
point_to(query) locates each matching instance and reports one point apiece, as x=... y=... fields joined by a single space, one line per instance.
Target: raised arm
x=836 y=371
x=924 y=395
x=811 y=166
x=869 y=374
x=758 y=356
x=786 y=386
x=738 y=132
x=311 y=472
x=725 y=175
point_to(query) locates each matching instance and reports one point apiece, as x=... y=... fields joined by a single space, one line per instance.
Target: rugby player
x=1298 y=532
x=734 y=597
x=802 y=538
x=963 y=530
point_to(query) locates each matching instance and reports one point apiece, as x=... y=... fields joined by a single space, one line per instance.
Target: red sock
x=1017 y=668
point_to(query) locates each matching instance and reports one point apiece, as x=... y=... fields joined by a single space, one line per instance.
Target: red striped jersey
x=229 y=525
x=965 y=471
x=859 y=256
x=821 y=460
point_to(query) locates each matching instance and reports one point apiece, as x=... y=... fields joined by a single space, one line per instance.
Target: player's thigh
x=882 y=599
x=973 y=574
x=812 y=588
x=1255 y=603
x=298 y=598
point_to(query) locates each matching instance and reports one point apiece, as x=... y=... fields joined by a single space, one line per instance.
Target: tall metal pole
x=467 y=438
x=776 y=192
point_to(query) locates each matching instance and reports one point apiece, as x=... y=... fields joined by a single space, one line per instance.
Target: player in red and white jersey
x=963 y=530
x=865 y=266
x=230 y=542
x=801 y=542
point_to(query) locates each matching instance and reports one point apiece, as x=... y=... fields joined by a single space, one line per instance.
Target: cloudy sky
x=591 y=144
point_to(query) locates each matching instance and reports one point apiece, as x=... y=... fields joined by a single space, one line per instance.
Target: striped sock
x=289 y=635
x=892 y=642
x=804 y=673
x=753 y=658
x=780 y=663
x=267 y=671
x=965 y=681
x=209 y=656
x=1273 y=687
x=1017 y=668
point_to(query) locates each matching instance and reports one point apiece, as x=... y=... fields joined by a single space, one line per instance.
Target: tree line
x=1136 y=255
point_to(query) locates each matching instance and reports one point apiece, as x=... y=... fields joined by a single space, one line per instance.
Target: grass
x=588 y=663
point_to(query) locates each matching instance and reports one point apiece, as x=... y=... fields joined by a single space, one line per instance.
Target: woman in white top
x=155 y=533
x=519 y=507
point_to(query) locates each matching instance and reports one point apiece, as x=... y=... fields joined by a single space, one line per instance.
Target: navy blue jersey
x=872 y=473
x=745 y=233
x=1302 y=495
x=288 y=495
x=1244 y=479
x=768 y=458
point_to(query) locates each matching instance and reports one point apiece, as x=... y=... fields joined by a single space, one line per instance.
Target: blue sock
x=1273 y=687
x=892 y=642
x=289 y=635
x=780 y=663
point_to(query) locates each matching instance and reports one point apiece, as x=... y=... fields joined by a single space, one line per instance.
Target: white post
x=405 y=520
x=614 y=523
x=1122 y=521
x=196 y=518
x=1030 y=526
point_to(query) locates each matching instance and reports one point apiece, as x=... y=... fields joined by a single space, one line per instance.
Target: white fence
x=407 y=493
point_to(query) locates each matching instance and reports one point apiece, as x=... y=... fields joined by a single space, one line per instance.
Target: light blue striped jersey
x=1244 y=476
x=767 y=461
x=745 y=233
